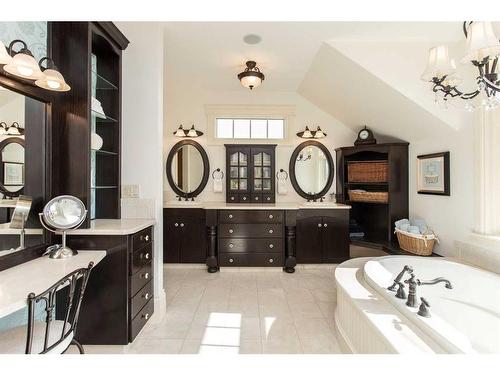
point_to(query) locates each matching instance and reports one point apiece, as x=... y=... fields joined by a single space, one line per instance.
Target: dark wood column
x=211 y=222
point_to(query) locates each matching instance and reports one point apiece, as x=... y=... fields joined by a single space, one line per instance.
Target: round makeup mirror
x=12 y=167
x=187 y=168
x=311 y=170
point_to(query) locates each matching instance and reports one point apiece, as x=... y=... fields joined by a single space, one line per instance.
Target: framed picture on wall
x=433 y=173
x=13 y=174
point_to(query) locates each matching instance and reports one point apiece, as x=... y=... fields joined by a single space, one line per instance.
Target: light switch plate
x=130 y=191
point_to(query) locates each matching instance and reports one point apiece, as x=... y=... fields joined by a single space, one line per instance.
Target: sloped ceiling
x=356 y=97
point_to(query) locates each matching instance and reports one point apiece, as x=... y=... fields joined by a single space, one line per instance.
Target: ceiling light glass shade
x=193 y=133
x=452 y=81
x=439 y=64
x=305 y=134
x=319 y=133
x=3 y=128
x=252 y=76
x=180 y=132
x=14 y=129
x=481 y=42
x=5 y=58
x=52 y=80
x=25 y=66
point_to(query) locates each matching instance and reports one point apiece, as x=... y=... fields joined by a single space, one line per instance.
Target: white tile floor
x=241 y=312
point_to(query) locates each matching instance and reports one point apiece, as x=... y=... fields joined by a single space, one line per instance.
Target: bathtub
x=465 y=319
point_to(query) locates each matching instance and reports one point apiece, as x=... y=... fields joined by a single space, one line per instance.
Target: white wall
x=187 y=107
x=142 y=131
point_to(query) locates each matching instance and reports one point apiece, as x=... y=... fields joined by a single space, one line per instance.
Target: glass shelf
x=103 y=84
x=100 y=119
x=104 y=152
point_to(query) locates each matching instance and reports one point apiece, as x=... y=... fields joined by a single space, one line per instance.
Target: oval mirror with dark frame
x=187 y=169
x=311 y=170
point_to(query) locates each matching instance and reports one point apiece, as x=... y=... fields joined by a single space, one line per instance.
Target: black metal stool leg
x=78 y=345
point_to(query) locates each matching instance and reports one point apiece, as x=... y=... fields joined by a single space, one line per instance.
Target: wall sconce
x=191 y=133
x=13 y=129
x=318 y=133
x=23 y=65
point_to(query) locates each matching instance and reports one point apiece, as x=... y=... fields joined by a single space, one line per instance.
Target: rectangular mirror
x=22 y=166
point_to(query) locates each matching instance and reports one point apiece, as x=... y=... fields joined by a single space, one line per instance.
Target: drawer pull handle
x=231 y=260
x=182 y=225
x=319 y=225
x=145 y=275
x=176 y=224
x=146 y=316
x=244 y=198
x=146 y=256
x=146 y=296
x=230 y=216
x=232 y=198
x=231 y=245
x=256 y=198
x=271 y=245
x=230 y=231
x=325 y=225
x=271 y=260
x=271 y=216
x=271 y=231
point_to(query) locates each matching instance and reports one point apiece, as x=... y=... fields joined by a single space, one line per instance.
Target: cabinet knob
x=244 y=198
x=271 y=216
x=146 y=316
x=231 y=245
x=230 y=216
x=145 y=238
x=271 y=260
x=176 y=224
x=146 y=275
x=232 y=198
x=325 y=225
x=268 y=198
x=182 y=224
x=271 y=245
x=146 y=296
x=231 y=260
x=271 y=231
x=319 y=225
x=146 y=256
x=230 y=231
x=256 y=198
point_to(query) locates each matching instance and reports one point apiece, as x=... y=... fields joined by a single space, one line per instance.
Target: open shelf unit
x=376 y=218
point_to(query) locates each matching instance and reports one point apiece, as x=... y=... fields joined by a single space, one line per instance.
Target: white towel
x=217 y=185
x=282 y=189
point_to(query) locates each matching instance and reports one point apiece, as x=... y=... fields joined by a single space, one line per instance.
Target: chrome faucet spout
x=437 y=280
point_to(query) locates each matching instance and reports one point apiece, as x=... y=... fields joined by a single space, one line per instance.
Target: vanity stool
x=51 y=336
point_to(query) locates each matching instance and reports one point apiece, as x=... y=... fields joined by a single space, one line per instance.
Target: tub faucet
x=399 y=277
x=413 y=282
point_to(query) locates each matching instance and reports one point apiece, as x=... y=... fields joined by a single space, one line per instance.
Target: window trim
x=284 y=112
x=250 y=119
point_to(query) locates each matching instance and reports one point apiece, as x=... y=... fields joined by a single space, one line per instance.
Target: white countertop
x=253 y=206
x=5 y=229
x=37 y=275
x=113 y=227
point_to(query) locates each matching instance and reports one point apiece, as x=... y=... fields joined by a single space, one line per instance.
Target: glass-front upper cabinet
x=251 y=173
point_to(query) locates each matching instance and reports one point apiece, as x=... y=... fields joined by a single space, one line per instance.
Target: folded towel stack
x=415 y=226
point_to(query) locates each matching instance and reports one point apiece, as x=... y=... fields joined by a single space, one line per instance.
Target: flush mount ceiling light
x=318 y=133
x=483 y=51
x=51 y=78
x=251 y=77
x=23 y=63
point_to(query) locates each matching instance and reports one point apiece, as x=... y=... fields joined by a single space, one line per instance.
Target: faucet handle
x=401 y=291
x=423 y=309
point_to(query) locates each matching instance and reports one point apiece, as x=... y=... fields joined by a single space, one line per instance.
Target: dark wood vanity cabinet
x=251 y=238
x=322 y=236
x=250 y=171
x=185 y=235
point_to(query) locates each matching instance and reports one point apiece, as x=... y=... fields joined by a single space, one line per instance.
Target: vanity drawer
x=140 y=258
x=251 y=216
x=251 y=230
x=250 y=245
x=142 y=238
x=251 y=260
x=140 y=278
x=142 y=297
x=141 y=319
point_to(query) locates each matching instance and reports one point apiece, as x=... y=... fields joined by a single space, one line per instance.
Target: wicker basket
x=369 y=196
x=367 y=171
x=418 y=244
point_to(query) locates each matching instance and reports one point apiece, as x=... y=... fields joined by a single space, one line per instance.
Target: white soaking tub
x=465 y=319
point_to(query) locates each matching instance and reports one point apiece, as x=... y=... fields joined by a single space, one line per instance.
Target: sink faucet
x=413 y=282
x=399 y=277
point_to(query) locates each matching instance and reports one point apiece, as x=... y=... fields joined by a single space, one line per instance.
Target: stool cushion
x=13 y=341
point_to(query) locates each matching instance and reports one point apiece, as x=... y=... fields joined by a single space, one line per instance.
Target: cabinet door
x=171 y=239
x=309 y=241
x=193 y=247
x=335 y=238
x=262 y=173
x=238 y=170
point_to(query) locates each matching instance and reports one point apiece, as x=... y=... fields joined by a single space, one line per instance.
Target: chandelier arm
x=494 y=66
x=492 y=85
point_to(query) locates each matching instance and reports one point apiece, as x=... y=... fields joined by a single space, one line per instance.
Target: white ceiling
x=208 y=55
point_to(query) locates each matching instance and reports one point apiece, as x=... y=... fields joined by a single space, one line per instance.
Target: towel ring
x=221 y=174
x=282 y=171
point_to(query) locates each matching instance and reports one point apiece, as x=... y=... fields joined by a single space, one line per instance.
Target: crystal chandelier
x=483 y=51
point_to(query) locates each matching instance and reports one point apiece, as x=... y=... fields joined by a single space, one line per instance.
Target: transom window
x=250 y=128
